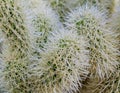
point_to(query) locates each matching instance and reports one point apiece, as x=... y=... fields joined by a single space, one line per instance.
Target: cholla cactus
x=13 y=70
x=63 y=65
x=90 y=22
x=60 y=7
x=106 y=85
x=12 y=26
x=37 y=55
x=15 y=48
x=108 y=5
x=111 y=5
x=40 y=20
x=13 y=75
x=110 y=85
x=64 y=6
x=114 y=24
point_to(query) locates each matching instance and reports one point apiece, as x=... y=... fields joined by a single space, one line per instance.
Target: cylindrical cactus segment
x=91 y=23
x=63 y=64
x=12 y=25
x=44 y=27
x=13 y=70
x=114 y=24
x=15 y=53
x=106 y=85
x=14 y=76
x=40 y=20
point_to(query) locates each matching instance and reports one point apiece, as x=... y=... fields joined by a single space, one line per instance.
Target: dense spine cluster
x=12 y=25
x=41 y=21
x=114 y=24
x=64 y=6
x=63 y=65
x=15 y=48
x=91 y=23
x=106 y=85
x=59 y=46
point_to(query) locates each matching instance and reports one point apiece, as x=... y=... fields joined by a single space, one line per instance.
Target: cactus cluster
x=63 y=64
x=59 y=46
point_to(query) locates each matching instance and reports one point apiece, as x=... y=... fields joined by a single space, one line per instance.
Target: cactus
x=107 y=85
x=64 y=6
x=14 y=76
x=114 y=24
x=40 y=20
x=16 y=34
x=88 y=21
x=107 y=5
x=15 y=48
x=63 y=64
x=59 y=7
x=43 y=51
x=110 y=5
